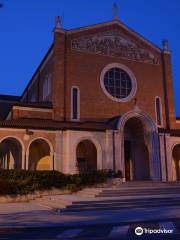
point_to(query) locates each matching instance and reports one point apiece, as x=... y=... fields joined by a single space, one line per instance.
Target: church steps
x=120 y=205
x=137 y=192
x=99 y=199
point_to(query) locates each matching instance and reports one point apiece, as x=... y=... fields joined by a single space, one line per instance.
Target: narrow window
x=158 y=111
x=75 y=103
x=46 y=87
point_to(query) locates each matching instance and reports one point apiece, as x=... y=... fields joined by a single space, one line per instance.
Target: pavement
x=100 y=217
x=33 y=221
x=32 y=214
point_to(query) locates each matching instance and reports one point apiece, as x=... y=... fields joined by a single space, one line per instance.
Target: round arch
x=39 y=154
x=11 y=152
x=151 y=139
x=138 y=114
x=41 y=138
x=95 y=143
x=175 y=153
x=16 y=138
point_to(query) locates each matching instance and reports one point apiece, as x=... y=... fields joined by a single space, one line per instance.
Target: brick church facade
x=102 y=98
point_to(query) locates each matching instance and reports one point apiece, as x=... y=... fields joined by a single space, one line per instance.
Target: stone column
x=163 y=156
x=108 y=164
x=23 y=166
x=58 y=154
x=27 y=161
x=156 y=173
x=120 y=163
x=70 y=163
x=169 y=157
x=118 y=151
x=52 y=161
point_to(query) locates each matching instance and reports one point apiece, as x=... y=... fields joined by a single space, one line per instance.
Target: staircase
x=125 y=196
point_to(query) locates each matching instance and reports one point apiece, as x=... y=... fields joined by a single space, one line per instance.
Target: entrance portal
x=128 y=160
x=176 y=163
x=136 y=154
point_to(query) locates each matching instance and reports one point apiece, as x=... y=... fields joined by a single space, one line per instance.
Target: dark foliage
x=23 y=182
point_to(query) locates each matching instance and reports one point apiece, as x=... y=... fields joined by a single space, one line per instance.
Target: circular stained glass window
x=119 y=84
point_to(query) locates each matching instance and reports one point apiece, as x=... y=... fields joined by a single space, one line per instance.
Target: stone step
x=107 y=204
x=124 y=186
x=119 y=201
x=140 y=195
x=147 y=187
x=124 y=192
x=149 y=183
x=73 y=208
x=121 y=194
x=153 y=191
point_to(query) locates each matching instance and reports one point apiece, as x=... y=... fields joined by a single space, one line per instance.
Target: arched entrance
x=39 y=155
x=176 y=162
x=140 y=143
x=10 y=154
x=136 y=154
x=86 y=155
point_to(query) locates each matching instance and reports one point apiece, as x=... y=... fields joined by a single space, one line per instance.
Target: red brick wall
x=84 y=69
x=169 y=89
x=70 y=67
x=59 y=75
x=31 y=113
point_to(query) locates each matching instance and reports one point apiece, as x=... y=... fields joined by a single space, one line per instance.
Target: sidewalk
x=20 y=215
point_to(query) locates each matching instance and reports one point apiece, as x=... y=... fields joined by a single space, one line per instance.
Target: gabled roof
x=38 y=68
x=91 y=27
x=114 y=22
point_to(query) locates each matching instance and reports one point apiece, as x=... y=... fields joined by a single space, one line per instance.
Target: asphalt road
x=97 y=232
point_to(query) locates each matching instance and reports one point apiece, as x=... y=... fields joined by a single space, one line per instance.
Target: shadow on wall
x=10 y=154
x=39 y=155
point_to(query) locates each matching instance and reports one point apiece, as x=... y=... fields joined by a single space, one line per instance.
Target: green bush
x=23 y=182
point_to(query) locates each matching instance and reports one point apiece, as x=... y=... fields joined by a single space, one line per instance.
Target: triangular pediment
x=115 y=43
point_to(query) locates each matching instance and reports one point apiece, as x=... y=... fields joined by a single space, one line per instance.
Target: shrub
x=119 y=174
x=23 y=182
x=7 y=186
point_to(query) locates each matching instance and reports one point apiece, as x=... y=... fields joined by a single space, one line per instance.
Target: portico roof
x=48 y=124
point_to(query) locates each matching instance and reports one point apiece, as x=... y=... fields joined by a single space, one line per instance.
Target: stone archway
x=136 y=153
x=148 y=146
x=10 y=154
x=86 y=155
x=176 y=162
x=39 y=155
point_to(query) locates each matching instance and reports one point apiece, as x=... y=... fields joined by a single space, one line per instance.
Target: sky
x=26 y=32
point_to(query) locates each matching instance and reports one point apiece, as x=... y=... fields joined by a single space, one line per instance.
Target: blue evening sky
x=26 y=31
